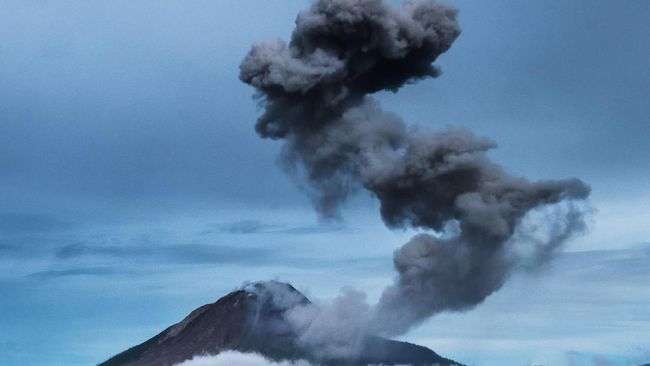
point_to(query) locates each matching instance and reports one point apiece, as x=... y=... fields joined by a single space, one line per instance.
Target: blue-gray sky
x=133 y=187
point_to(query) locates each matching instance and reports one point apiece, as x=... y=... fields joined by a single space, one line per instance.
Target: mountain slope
x=251 y=320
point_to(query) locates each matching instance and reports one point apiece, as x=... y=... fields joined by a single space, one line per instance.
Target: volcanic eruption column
x=315 y=91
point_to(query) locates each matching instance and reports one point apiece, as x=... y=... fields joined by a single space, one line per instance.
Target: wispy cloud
x=178 y=253
x=72 y=272
x=246 y=227
x=21 y=223
x=258 y=227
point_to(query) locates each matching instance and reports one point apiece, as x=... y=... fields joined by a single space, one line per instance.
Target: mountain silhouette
x=251 y=320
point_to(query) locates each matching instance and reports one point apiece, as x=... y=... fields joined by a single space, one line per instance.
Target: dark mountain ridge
x=251 y=319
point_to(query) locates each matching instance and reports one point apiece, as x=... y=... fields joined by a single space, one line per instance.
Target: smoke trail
x=315 y=93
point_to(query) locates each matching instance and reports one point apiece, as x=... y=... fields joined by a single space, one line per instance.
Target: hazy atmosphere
x=135 y=188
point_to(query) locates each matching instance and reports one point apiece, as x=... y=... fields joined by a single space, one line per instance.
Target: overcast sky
x=133 y=187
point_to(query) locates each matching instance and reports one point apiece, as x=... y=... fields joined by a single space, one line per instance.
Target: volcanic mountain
x=251 y=319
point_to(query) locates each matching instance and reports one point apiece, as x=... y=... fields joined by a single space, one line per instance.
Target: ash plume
x=315 y=92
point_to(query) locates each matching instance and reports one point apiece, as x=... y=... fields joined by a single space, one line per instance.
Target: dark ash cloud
x=315 y=91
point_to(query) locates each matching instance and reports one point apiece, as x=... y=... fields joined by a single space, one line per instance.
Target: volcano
x=251 y=319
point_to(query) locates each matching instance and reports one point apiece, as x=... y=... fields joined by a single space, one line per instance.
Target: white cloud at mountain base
x=233 y=358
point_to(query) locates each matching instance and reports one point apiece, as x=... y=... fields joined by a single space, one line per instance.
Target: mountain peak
x=279 y=295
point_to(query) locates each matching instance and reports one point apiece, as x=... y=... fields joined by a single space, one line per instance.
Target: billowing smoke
x=315 y=91
x=335 y=329
x=315 y=88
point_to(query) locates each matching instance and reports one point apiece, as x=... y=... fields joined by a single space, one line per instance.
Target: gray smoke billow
x=315 y=92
